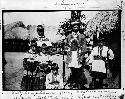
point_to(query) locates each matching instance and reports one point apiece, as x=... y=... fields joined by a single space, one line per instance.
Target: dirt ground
x=13 y=71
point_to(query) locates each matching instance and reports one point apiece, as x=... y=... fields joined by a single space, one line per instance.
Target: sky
x=51 y=19
x=46 y=18
x=35 y=18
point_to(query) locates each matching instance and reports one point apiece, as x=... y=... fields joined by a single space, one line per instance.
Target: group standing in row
x=85 y=71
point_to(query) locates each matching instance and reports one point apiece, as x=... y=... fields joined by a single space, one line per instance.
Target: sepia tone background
x=21 y=27
x=92 y=5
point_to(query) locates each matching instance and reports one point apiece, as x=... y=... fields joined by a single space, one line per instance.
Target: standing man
x=100 y=59
x=76 y=44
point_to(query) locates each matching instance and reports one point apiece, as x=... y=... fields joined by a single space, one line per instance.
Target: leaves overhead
x=103 y=22
x=65 y=27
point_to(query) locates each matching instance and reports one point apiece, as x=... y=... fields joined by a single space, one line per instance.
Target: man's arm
x=90 y=58
x=110 y=57
x=67 y=42
x=110 y=54
x=83 y=46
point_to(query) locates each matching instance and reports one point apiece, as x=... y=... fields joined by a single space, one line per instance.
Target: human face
x=55 y=71
x=33 y=48
x=75 y=28
x=40 y=33
x=43 y=51
x=101 y=44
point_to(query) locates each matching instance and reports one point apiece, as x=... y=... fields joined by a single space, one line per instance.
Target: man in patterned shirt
x=76 y=44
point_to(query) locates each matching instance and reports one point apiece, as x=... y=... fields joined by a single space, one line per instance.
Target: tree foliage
x=103 y=22
x=17 y=30
x=66 y=28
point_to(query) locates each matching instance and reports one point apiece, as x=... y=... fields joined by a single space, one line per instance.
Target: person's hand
x=109 y=74
x=80 y=51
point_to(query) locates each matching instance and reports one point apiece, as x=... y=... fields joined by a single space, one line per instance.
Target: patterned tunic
x=77 y=47
x=28 y=62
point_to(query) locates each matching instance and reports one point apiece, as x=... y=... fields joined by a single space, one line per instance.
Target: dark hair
x=40 y=30
x=33 y=43
x=40 y=27
x=55 y=66
x=44 y=45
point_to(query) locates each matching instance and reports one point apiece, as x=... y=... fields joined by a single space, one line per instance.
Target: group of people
x=85 y=71
x=38 y=63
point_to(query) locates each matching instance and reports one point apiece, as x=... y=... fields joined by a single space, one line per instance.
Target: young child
x=54 y=79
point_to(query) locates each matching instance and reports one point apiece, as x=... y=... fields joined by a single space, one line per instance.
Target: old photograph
x=59 y=49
